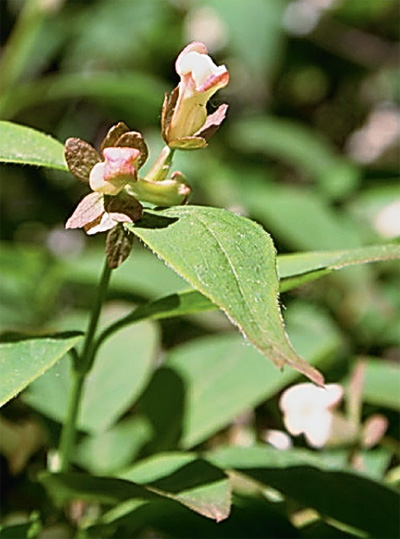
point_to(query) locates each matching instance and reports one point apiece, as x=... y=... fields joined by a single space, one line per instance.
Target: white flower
x=308 y=409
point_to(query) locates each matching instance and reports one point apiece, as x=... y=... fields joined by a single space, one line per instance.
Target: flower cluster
x=121 y=155
x=118 y=191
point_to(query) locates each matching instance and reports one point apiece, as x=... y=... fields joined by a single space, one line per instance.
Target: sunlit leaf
x=26 y=146
x=232 y=261
x=121 y=370
x=290 y=265
x=22 y=361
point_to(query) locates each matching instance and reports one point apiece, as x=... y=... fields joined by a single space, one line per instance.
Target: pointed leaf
x=20 y=144
x=232 y=261
x=23 y=361
x=189 y=481
x=183 y=477
x=109 y=390
x=291 y=265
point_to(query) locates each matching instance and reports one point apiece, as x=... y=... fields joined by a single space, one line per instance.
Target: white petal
x=278 y=439
x=295 y=423
x=200 y=65
x=318 y=429
x=98 y=184
x=309 y=395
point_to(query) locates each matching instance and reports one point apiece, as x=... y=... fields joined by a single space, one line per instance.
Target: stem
x=68 y=433
x=160 y=169
x=87 y=354
x=80 y=370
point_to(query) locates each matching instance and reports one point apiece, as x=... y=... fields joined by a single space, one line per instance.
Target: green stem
x=160 y=169
x=68 y=433
x=88 y=349
x=81 y=367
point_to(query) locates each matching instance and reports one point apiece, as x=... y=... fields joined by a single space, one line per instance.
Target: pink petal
x=89 y=209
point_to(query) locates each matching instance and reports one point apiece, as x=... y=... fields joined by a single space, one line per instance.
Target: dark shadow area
x=11 y=336
x=250 y=518
x=191 y=475
x=163 y=404
x=152 y=220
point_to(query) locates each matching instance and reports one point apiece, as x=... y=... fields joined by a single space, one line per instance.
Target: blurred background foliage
x=310 y=150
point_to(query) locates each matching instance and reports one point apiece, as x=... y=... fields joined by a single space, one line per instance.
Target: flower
x=117 y=169
x=185 y=123
x=123 y=152
x=308 y=409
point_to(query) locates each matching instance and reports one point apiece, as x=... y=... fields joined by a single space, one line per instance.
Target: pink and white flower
x=108 y=173
x=185 y=122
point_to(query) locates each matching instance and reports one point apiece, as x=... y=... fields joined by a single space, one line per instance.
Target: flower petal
x=184 y=111
x=213 y=122
x=102 y=224
x=308 y=394
x=113 y=134
x=88 y=210
x=318 y=428
x=81 y=157
x=120 y=163
x=123 y=208
x=134 y=139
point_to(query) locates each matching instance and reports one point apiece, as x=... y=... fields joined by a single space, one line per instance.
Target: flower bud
x=169 y=192
x=185 y=123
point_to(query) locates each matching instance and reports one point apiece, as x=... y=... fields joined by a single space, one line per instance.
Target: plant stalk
x=81 y=367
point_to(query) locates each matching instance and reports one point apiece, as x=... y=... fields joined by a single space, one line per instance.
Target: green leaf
x=186 y=480
x=232 y=261
x=23 y=530
x=382 y=383
x=179 y=304
x=22 y=361
x=342 y=495
x=110 y=451
x=121 y=370
x=291 y=214
x=290 y=265
x=64 y=487
x=223 y=376
x=183 y=477
x=26 y=146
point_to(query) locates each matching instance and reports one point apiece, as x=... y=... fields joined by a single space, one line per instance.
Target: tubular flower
x=185 y=123
x=308 y=409
x=122 y=153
